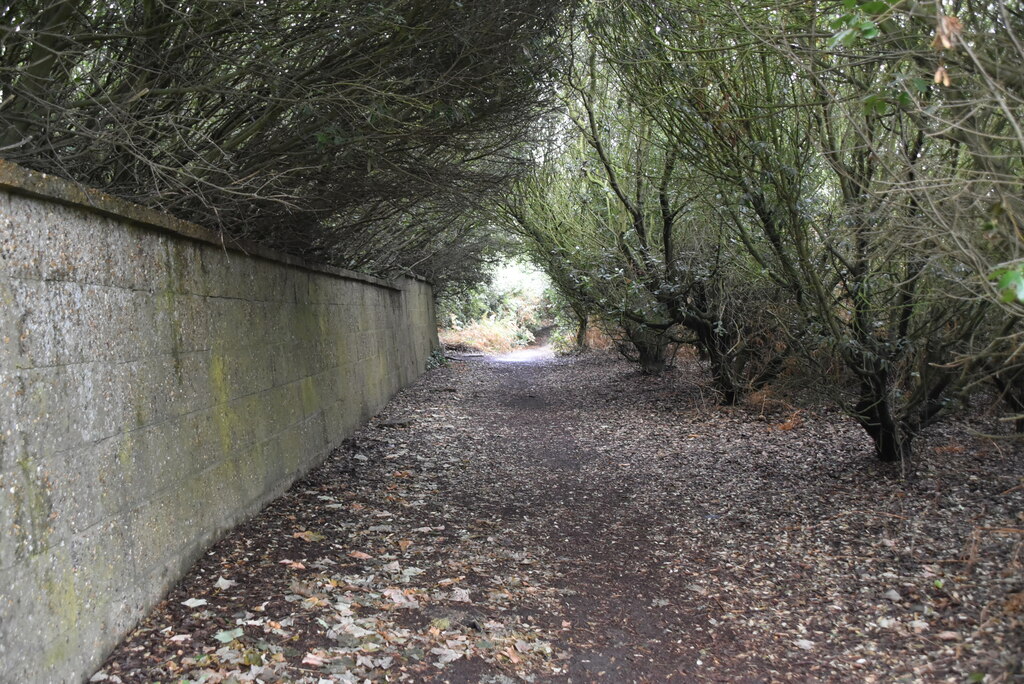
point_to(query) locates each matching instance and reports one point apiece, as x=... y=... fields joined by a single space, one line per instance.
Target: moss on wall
x=64 y=603
x=32 y=509
x=221 y=396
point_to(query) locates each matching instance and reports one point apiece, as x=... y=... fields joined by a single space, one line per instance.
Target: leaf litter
x=570 y=520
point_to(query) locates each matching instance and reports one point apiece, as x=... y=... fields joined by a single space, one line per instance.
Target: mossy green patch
x=291 y=450
x=168 y=302
x=33 y=509
x=342 y=352
x=222 y=412
x=6 y=295
x=65 y=606
x=124 y=453
x=218 y=376
x=310 y=397
x=364 y=319
x=308 y=326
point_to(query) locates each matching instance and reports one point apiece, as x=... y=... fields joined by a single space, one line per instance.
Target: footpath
x=528 y=518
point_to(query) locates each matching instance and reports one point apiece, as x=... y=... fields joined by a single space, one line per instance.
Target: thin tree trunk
x=581 y=333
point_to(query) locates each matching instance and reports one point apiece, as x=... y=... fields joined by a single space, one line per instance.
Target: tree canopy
x=834 y=182
x=311 y=125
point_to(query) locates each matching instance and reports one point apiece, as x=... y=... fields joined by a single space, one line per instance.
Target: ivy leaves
x=1010 y=283
x=860 y=22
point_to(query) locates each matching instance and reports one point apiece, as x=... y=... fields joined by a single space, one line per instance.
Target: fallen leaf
x=460 y=595
x=793 y=421
x=1014 y=603
x=194 y=602
x=449 y=580
x=404 y=545
x=224 y=584
x=360 y=555
x=226 y=636
x=445 y=655
x=314 y=660
x=400 y=597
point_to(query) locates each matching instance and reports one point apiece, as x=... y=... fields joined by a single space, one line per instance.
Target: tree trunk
x=650 y=348
x=874 y=412
x=31 y=107
x=652 y=358
x=715 y=347
x=1011 y=391
x=723 y=381
x=891 y=444
x=581 y=333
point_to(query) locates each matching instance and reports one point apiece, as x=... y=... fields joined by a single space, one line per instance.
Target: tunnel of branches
x=829 y=188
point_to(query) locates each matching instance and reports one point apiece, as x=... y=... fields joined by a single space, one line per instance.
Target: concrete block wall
x=157 y=388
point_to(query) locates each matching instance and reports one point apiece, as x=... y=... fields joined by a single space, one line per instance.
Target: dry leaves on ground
x=574 y=521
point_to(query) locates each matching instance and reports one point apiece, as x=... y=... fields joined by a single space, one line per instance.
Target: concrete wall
x=156 y=389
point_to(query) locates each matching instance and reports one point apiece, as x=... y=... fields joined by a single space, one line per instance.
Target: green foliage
x=628 y=231
x=743 y=180
x=437 y=359
x=567 y=322
x=1010 y=283
x=503 y=311
x=859 y=22
x=508 y=290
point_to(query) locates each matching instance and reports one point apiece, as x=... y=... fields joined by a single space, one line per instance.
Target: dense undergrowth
x=504 y=312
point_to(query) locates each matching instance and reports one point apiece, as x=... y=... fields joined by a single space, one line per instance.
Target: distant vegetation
x=501 y=313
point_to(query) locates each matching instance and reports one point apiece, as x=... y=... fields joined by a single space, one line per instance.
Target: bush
x=497 y=336
x=498 y=315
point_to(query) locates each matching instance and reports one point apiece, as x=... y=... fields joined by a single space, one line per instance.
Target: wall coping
x=19 y=180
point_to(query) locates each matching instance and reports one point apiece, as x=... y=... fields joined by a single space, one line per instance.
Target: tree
x=623 y=227
x=805 y=162
x=958 y=79
x=290 y=122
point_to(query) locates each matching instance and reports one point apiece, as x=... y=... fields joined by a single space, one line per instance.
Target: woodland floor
x=568 y=520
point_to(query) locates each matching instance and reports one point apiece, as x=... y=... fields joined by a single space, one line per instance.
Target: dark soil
x=562 y=520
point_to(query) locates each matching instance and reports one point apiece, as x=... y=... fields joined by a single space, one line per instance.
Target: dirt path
x=548 y=520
